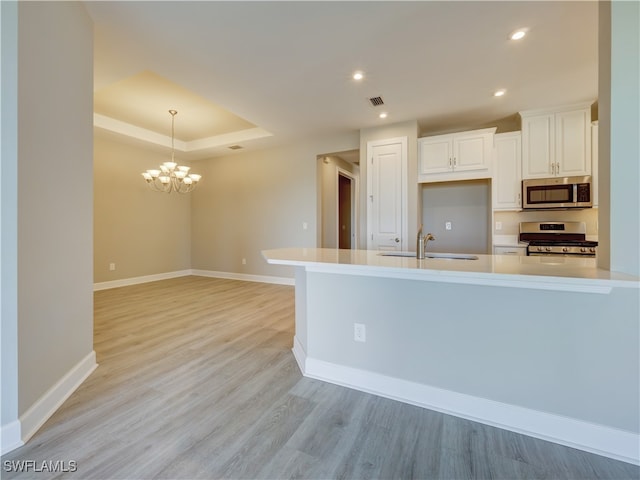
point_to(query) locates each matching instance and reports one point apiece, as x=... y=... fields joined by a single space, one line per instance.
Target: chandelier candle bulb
x=171 y=177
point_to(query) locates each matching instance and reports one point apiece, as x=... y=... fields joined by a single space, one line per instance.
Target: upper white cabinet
x=456 y=156
x=556 y=142
x=507 y=173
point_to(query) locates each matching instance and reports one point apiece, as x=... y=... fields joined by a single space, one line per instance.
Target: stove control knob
x=548 y=249
x=583 y=250
x=592 y=250
x=540 y=249
x=565 y=249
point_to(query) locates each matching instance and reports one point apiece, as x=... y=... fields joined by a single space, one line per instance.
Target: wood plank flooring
x=197 y=380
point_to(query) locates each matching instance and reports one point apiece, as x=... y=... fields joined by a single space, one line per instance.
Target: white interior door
x=386 y=181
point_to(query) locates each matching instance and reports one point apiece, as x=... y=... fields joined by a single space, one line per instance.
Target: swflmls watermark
x=38 y=466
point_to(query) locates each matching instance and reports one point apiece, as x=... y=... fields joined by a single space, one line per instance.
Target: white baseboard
x=10 y=437
x=590 y=437
x=46 y=405
x=299 y=354
x=201 y=273
x=136 y=280
x=244 y=277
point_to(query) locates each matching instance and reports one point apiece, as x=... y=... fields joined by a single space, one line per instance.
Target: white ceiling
x=284 y=68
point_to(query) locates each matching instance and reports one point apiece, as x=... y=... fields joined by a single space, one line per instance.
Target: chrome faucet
x=421 y=246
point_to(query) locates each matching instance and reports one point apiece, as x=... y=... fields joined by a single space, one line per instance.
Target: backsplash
x=511 y=220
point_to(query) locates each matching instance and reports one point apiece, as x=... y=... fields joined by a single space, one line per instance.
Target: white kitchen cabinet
x=502 y=250
x=556 y=143
x=456 y=156
x=507 y=172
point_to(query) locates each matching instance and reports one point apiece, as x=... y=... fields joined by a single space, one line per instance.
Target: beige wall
x=619 y=149
x=55 y=202
x=252 y=201
x=9 y=216
x=143 y=232
x=511 y=220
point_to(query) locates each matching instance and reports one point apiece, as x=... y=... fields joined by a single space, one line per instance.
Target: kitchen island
x=549 y=347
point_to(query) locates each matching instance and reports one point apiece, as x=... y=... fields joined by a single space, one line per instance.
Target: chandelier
x=172 y=177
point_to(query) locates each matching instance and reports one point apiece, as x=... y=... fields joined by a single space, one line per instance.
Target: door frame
x=404 y=163
x=355 y=203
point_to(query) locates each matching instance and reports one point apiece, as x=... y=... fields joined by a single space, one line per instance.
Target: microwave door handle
x=575 y=192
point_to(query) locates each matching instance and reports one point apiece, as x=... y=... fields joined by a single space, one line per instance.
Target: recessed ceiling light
x=518 y=34
x=383 y=115
x=499 y=93
x=358 y=76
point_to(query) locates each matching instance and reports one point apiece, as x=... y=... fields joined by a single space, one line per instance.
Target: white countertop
x=540 y=272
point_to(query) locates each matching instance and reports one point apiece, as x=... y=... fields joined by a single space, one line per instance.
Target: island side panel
x=569 y=354
x=300 y=337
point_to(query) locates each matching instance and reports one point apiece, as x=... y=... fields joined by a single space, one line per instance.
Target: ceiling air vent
x=376 y=101
x=235 y=147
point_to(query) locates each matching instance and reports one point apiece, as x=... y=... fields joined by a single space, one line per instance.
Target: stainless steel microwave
x=557 y=192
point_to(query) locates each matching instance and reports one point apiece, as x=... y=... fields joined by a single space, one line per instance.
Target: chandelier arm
x=182 y=188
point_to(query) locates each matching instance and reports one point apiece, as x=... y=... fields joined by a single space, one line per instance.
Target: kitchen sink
x=449 y=256
x=452 y=256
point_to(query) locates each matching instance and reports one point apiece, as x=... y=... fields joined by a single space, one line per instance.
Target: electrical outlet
x=244 y=261
x=498 y=226
x=112 y=266
x=447 y=226
x=359 y=332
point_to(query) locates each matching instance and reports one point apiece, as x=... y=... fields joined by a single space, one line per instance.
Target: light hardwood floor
x=197 y=380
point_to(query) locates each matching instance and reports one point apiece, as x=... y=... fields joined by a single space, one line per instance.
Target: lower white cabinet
x=509 y=250
x=507 y=172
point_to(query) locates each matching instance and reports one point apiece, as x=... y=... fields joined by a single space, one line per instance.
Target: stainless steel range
x=557 y=238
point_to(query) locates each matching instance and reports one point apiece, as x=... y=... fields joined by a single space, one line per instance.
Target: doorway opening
x=347 y=213
x=338 y=195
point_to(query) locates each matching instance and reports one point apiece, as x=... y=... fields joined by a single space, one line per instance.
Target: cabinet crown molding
x=480 y=131
x=558 y=109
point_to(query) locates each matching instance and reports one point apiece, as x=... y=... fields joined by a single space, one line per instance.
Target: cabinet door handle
x=450 y=163
x=454 y=162
x=397 y=240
